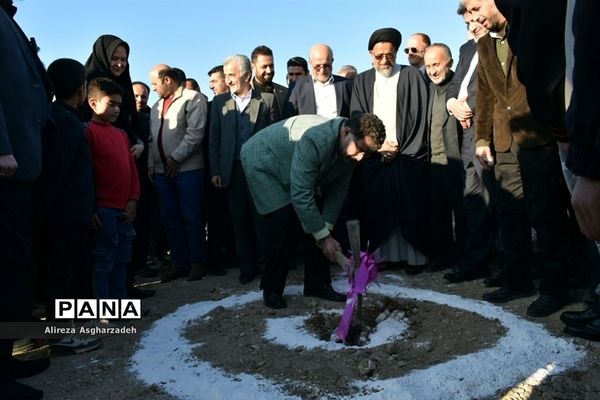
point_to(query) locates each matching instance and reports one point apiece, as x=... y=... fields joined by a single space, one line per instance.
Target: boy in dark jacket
x=65 y=190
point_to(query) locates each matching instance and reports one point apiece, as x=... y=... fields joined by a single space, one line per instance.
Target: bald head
x=438 y=61
x=164 y=80
x=321 y=61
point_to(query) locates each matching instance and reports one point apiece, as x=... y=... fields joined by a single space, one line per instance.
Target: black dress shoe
x=274 y=300
x=137 y=293
x=146 y=272
x=579 y=319
x=247 y=277
x=546 y=304
x=173 y=273
x=591 y=331
x=325 y=292
x=493 y=281
x=462 y=275
x=18 y=369
x=439 y=265
x=13 y=390
x=216 y=271
x=506 y=294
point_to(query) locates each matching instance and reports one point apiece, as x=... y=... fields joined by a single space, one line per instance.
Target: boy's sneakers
x=76 y=344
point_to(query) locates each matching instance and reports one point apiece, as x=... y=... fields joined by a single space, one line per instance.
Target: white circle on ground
x=165 y=358
x=291 y=333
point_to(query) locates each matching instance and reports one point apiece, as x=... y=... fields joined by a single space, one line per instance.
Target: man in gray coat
x=235 y=117
x=305 y=162
x=175 y=159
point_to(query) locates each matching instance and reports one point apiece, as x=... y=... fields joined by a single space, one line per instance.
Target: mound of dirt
x=233 y=340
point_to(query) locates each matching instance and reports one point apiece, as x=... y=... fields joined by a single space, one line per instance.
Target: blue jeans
x=112 y=253
x=180 y=200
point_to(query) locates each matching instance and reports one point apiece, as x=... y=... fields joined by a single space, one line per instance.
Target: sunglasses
x=412 y=50
x=388 y=56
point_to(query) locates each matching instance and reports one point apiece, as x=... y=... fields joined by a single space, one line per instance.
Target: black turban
x=390 y=35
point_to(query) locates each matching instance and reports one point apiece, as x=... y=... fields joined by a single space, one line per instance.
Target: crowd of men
x=446 y=169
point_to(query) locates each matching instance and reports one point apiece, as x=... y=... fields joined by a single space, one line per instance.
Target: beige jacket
x=182 y=131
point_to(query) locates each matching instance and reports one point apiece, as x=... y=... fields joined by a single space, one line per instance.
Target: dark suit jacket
x=223 y=128
x=302 y=97
x=23 y=100
x=583 y=118
x=503 y=113
x=280 y=92
x=467 y=52
x=537 y=32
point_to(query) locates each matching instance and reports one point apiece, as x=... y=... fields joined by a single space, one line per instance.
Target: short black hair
x=66 y=75
x=298 y=62
x=141 y=83
x=100 y=87
x=260 y=51
x=218 y=68
x=181 y=74
x=194 y=84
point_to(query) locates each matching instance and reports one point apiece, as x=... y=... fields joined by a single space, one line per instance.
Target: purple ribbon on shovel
x=358 y=282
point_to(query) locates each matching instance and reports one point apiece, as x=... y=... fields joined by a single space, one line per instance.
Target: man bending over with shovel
x=304 y=164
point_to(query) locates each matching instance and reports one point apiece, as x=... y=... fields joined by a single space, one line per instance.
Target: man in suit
x=220 y=244
x=527 y=170
x=147 y=204
x=263 y=67
x=446 y=176
x=297 y=68
x=393 y=184
x=415 y=50
x=583 y=124
x=235 y=117
x=477 y=202
x=216 y=80
x=348 y=71
x=300 y=163
x=321 y=92
x=24 y=100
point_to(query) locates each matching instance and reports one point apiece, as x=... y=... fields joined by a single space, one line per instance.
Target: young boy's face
x=107 y=107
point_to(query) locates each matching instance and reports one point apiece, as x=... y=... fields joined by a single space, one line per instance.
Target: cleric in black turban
x=390 y=35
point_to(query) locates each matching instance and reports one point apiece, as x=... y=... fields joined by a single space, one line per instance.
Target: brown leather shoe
x=197 y=272
x=173 y=273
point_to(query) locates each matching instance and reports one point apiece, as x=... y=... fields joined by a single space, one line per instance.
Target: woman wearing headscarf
x=109 y=59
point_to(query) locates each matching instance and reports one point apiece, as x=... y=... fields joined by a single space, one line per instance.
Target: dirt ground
x=105 y=373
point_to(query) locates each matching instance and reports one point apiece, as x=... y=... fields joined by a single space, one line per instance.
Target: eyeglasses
x=413 y=50
x=388 y=56
x=321 y=66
